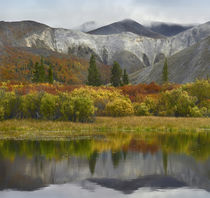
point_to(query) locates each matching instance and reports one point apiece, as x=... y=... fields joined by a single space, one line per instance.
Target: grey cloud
x=71 y=13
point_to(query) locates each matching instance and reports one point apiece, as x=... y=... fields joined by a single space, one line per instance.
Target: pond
x=115 y=165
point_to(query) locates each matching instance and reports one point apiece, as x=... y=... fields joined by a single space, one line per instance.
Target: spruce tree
x=165 y=71
x=116 y=74
x=50 y=75
x=30 y=64
x=35 y=78
x=125 y=78
x=30 y=67
x=41 y=71
x=93 y=74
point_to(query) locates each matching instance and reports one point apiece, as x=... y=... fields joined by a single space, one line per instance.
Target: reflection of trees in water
x=92 y=162
x=120 y=164
x=142 y=146
x=165 y=162
x=193 y=144
x=116 y=158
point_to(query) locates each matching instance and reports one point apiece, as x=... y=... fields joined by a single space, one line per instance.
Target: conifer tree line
x=39 y=75
x=118 y=77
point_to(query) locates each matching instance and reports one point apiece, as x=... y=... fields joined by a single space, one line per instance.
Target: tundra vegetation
x=83 y=103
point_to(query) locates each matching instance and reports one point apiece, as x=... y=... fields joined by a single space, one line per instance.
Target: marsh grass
x=37 y=129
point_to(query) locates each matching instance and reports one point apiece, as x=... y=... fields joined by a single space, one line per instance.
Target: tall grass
x=36 y=129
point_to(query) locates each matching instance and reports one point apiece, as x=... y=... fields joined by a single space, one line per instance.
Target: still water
x=119 y=165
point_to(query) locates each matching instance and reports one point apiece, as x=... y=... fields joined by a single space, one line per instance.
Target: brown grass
x=35 y=129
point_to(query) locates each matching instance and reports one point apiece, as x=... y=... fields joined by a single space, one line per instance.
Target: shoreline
x=63 y=130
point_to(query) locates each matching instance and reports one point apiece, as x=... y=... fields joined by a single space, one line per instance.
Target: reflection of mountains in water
x=119 y=169
x=129 y=186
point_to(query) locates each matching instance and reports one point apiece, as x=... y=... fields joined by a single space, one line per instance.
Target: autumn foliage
x=18 y=64
x=82 y=103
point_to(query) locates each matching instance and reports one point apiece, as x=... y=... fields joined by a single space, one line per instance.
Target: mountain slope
x=105 y=47
x=185 y=66
x=134 y=52
x=168 y=29
x=126 y=26
x=18 y=64
x=12 y=33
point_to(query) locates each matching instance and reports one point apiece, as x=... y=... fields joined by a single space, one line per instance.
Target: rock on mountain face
x=126 y=26
x=183 y=67
x=168 y=29
x=13 y=33
x=134 y=52
x=107 y=47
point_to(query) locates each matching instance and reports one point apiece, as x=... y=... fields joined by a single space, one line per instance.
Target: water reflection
x=125 y=163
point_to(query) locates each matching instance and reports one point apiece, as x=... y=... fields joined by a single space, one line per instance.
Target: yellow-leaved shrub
x=119 y=107
x=101 y=97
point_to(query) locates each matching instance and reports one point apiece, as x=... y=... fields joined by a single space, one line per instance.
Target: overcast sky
x=71 y=13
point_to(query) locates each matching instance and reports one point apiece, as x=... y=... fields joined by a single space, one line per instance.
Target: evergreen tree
x=93 y=74
x=30 y=64
x=50 y=75
x=35 y=78
x=125 y=78
x=165 y=72
x=41 y=71
x=116 y=74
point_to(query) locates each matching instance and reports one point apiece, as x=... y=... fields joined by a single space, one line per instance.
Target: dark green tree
x=30 y=64
x=94 y=77
x=42 y=71
x=125 y=77
x=50 y=75
x=116 y=75
x=35 y=78
x=165 y=71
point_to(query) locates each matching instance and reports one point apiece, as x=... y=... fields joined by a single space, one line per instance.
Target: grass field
x=35 y=129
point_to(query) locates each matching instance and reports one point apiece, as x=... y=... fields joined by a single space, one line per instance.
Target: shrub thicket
x=141 y=109
x=101 y=97
x=30 y=105
x=1 y=113
x=76 y=107
x=10 y=103
x=119 y=107
x=82 y=104
x=178 y=103
x=200 y=89
x=49 y=106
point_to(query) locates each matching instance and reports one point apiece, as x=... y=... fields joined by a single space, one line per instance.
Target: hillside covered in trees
x=18 y=64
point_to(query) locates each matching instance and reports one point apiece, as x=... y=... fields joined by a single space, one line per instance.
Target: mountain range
x=139 y=49
x=126 y=25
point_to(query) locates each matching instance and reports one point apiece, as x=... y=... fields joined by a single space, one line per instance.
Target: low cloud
x=70 y=13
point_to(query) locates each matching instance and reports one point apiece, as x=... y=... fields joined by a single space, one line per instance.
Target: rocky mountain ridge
x=132 y=51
